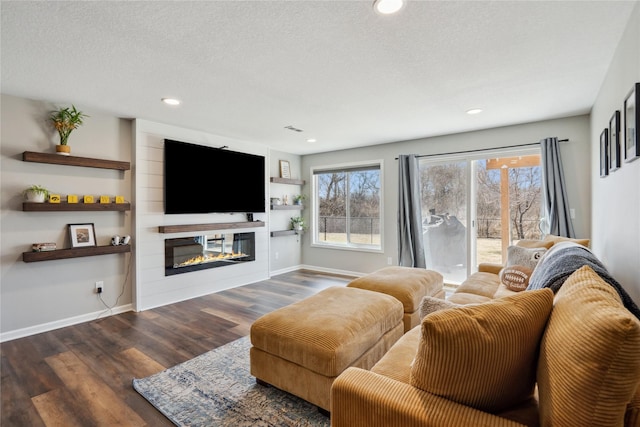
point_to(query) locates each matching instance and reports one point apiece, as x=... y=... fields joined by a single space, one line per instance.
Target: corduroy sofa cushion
x=589 y=364
x=532 y=243
x=327 y=332
x=557 y=239
x=485 y=355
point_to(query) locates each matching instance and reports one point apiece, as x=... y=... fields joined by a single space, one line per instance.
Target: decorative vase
x=64 y=150
x=35 y=196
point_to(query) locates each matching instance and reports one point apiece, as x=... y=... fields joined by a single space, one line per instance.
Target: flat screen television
x=201 y=179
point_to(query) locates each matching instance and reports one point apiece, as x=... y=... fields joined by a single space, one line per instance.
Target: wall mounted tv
x=201 y=179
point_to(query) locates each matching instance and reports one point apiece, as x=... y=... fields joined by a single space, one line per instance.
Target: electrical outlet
x=99 y=287
x=389 y=261
x=277 y=255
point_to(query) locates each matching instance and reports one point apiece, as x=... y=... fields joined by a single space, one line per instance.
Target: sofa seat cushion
x=484 y=355
x=396 y=363
x=327 y=332
x=589 y=365
x=478 y=288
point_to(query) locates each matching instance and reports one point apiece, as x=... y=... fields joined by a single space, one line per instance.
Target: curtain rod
x=485 y=149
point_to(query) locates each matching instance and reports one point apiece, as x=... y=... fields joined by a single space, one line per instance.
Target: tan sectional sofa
x=505 y=358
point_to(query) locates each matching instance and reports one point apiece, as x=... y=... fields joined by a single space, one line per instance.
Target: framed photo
x=82 y=235
x=614 y=142
x=604 y=153
x=285 y=169
x=631 y=121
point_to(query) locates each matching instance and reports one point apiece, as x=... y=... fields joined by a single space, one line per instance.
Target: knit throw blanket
x=559 y=263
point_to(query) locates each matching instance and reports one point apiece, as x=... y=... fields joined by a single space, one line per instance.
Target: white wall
x=44 y=295
x=616 y=207
x=152 y=287
x=575 y=155
x=285 y=251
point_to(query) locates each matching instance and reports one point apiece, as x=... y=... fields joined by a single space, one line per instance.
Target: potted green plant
x=36 y=194
x=299 y=198
x=297 y=224
x=65 y=120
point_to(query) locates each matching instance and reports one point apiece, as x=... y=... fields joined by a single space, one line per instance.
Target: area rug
x=217 y=389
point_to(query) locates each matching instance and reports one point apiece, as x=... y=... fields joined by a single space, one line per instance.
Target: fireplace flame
x=201 y=259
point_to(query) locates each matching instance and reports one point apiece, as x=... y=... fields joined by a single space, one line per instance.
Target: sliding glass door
x=474 y=208
x=445 y=217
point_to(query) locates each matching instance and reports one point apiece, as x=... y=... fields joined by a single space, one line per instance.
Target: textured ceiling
x=335 y=69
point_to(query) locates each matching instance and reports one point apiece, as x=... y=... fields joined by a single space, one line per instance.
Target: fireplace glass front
x=186 y=254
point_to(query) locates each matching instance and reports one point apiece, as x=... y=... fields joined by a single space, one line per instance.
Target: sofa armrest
x=364 y=398
x=486 y=267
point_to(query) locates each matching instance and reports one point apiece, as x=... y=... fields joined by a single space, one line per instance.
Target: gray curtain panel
x=555 y=193
x=410 y=241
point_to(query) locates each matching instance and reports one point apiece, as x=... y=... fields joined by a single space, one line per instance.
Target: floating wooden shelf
x=74 y=253
x=210 y=226
x=287 y=181
x=57 y=159
x=286 y=207
x=283 y=233
x=67 y=207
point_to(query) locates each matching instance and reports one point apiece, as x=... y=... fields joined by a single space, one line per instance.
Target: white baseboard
x=70 y=321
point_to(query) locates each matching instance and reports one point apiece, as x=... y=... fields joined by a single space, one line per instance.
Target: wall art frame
x=82 y=235
x=631 y=123
x=604 y=153
x=285 y=169
x=615 y=158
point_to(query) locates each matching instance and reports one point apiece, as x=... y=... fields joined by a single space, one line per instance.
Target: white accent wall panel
x=152 y=287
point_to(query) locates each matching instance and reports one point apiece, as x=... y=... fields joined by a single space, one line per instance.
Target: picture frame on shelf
x=82 y=235
x=631 y=122
x=614 y=142
x=285 y=169
x=604 y=153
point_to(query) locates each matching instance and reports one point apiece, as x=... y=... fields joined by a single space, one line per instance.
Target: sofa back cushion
x=557 y=239
x=589 y=365
x=483 y=355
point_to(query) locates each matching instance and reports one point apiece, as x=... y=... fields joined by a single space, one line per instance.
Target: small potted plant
x=36 y=194
x=299 y=198
x=297 y=224
x=65 y=120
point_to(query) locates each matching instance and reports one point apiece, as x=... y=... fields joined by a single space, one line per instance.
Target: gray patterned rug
x=216 y=389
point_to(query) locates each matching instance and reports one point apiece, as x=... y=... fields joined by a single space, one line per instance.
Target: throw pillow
x=483 y=355
x=527 y=257
x=588 y=355
x=557 y=239
x=515 y=278
x=430 y=304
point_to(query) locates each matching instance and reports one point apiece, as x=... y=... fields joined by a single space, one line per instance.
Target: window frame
x=345 y=167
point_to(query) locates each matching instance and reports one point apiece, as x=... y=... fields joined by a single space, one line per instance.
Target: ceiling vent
x=293 y=128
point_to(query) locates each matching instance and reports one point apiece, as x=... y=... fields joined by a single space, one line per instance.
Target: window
x=473 y=209
x=347 y=206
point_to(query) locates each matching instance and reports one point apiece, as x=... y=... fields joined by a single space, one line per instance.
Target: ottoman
x=409 y=285
x=303 y=347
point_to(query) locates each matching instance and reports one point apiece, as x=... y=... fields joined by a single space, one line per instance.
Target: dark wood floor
x=81 y=375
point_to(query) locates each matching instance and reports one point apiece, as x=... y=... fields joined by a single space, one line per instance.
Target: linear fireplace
x=183 y=255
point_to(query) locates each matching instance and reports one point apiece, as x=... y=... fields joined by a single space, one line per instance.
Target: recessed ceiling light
x=312 y=140
x=474 y=111
x=171 y=101
x=387 y=7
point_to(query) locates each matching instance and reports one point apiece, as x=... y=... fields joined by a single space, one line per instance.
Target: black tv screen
x=200 y=179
